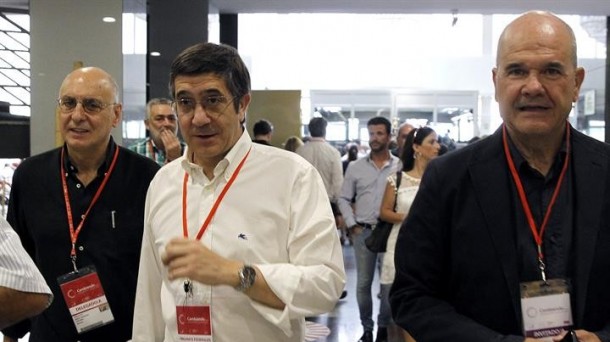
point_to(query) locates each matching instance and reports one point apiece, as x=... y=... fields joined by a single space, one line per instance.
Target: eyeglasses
x=67 y=104
x=213 y=105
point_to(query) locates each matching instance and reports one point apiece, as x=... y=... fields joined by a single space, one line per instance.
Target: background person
x=476 y=234
x=421 y=146
x=293 y=143
x=401 y=137
x=327 y=160
x=255 y=260
x=363 y=186
x=162 y=144
x=81 y=206
x=263 y=131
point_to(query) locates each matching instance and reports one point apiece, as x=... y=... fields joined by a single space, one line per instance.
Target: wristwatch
x=247 y=276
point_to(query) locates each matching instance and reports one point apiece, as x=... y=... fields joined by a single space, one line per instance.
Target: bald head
x=536 y=26
x=93 y=75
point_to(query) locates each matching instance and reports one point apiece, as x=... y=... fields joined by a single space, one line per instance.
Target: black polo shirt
x=558 y=235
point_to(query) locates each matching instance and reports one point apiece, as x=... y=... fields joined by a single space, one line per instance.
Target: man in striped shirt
x=23 y=291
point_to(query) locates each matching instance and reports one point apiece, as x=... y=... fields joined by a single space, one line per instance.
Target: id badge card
x=85 y=298
x=545 y=308
x=193 y=314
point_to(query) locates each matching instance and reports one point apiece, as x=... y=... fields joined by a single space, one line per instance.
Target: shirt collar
x=389 y=162
x=226 y=166
x=71 y=168
x=522 y=164
x=153 y=143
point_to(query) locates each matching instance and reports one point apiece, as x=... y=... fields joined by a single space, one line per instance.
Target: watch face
x=249 y=276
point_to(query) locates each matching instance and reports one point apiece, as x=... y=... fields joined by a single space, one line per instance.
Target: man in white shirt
x=324 y=157
x=327 y=160
x=23 y=291
x=239 y=240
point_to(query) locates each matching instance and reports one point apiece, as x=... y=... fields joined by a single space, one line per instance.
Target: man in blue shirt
x=365 y=181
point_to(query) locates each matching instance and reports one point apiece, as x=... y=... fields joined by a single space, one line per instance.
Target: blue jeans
x=366 y=264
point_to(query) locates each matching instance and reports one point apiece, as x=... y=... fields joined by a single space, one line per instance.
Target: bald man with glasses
x=78 y=210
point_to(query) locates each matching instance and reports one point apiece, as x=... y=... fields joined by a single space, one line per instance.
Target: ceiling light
x=155 y=53
x=108 y=19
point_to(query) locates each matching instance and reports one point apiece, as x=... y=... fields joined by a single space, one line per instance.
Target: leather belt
x=366 y=225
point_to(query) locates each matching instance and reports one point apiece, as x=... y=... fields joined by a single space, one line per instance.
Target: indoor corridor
x=343 y=323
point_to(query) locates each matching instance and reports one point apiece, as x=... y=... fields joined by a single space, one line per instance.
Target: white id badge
x=85 y=298
x=193 y=313
x=545 y=308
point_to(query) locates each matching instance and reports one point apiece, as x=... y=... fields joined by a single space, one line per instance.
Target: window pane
x=5 y=25
x=14 y=60
x=17 y=76
x=5 y=96
x=22 y=38
x=20 y=93
x=23 y=20
x=5 y=81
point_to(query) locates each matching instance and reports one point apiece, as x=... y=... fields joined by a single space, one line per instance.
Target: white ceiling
x=581 y=7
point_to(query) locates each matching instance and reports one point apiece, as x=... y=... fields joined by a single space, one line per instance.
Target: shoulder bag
x=377 y=241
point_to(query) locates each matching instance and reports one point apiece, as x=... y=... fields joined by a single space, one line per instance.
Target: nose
x=532 y=85
x=78 y=113
x=200 y=117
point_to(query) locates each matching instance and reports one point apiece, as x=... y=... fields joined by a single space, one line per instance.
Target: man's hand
x=188 y=258
x=173 y=149
x=582 y=335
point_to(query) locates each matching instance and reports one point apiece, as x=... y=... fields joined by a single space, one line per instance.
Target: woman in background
x=292 y=143
x=421 y=146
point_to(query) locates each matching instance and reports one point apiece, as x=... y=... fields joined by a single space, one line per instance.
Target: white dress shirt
x=275 y=216
x=327 y=160
x=17 y=270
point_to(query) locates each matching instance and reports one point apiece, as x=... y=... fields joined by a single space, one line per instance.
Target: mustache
x=205 y=130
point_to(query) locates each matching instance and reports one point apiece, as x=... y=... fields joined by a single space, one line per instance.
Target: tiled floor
x=344 y=321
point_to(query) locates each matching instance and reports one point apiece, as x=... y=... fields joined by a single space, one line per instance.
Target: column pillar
x=172 y=27
x=228 y=29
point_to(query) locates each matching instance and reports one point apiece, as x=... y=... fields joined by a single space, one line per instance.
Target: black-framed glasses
x=67 y=104
x=213 y=105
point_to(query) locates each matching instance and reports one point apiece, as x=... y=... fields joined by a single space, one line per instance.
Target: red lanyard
x=538 y=234
x=74 y=233
x=212 y=212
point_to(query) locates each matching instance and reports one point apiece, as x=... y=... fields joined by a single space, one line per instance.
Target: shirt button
x=81 y=248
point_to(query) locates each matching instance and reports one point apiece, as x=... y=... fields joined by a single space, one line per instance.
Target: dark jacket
x=456 y=259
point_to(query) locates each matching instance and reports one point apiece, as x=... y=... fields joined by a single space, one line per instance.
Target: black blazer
x=456 y=257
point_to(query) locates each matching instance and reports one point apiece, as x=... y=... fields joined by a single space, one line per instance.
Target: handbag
x=378 y=240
